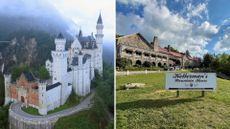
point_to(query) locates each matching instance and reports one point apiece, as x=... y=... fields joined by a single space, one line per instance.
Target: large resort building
x=138 y=50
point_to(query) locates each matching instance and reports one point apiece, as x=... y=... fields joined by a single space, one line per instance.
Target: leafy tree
x=207 y=60
x=123 y=63
x=4 y=117
x=43 y=73
x=2 y=88
x=16 y=71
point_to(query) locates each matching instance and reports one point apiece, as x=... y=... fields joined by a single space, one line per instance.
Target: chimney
x=169 y=48
x=155 y=43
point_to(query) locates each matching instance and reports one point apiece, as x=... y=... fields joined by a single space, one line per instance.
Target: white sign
x=190 y=81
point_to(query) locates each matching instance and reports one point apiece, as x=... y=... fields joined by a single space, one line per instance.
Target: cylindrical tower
x=59 y=56
x=99 y=41
x=42 y=97
x=7 y=78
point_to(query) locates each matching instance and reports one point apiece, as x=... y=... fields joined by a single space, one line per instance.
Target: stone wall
x=19 y=122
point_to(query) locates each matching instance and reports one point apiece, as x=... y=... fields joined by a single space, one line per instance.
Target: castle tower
x=60 y=65
x=59 y=59
x=7 y=78
x=99 y=41
x=42 y=98
x=79 y=87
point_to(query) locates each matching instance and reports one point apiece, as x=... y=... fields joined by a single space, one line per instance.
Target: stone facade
x=138 y=50
x=24 y=90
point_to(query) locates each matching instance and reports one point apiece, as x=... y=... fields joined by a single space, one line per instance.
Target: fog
x=26 y=8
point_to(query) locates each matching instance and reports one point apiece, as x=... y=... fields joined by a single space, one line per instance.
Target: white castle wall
x=53 y=98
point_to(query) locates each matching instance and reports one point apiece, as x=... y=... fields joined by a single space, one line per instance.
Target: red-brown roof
x=163 y=50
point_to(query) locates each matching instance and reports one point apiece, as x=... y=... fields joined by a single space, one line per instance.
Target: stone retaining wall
x=19 y=122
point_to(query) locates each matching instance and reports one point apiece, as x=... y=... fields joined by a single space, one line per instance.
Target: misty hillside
x=24 y=15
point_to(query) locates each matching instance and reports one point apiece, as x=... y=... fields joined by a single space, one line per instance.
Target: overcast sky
x=85 y=14
x=198 y=26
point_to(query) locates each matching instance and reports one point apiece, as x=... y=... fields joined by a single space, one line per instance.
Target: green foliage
x=207 y=60
x=152 y=107
x=80 y=120
x=4 y=117
x=17 y=71
x=99 y=111
x=2 y=89
x=123 y=63
x=30 y=110
x=43 y=73
x=219 y=63
x=110 y=125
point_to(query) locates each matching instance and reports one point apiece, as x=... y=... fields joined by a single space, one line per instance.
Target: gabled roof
x=134 y=40
x=177 y=54
x=29 y=76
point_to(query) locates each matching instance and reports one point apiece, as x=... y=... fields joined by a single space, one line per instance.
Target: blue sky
x=198 y=26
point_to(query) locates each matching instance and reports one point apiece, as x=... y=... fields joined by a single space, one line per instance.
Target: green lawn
x=154 y=108
x=30 y=110
x=81 y=120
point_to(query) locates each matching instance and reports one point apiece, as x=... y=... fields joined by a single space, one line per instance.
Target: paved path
x=85 y=104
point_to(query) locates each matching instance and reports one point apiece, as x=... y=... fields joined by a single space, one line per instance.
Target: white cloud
x=171 y=28
x=223 y=45
x=197 y=11
x=85 y=14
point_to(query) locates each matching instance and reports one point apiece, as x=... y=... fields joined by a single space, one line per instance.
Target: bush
x=123 y=63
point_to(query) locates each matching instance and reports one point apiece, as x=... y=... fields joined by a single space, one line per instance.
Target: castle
x=71 y=69
x=138 y=50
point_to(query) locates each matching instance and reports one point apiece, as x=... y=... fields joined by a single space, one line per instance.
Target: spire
x=80 y=33
x=99 y=21
x=60 y=36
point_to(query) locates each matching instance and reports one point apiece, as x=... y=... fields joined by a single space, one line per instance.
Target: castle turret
x=7 y=78
x=59 y=59
x=99 y=41
x=42 y=97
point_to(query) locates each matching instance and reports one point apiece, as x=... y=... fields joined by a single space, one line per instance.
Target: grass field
x=81 y=120
x=154 y=108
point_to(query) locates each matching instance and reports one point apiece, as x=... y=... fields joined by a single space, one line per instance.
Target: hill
x=153 y=107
